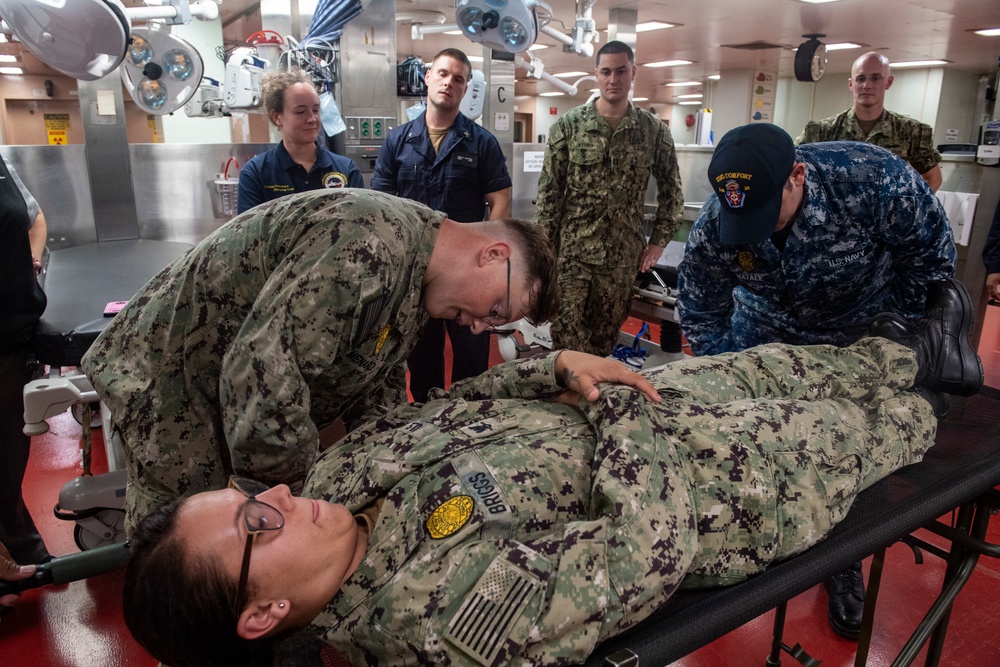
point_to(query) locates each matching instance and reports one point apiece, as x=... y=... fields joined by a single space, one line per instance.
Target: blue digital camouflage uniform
x=274 y=174
x=906 y=137
x=590 y=201
x=517 y=532
x=288 y=316
x=869 y=237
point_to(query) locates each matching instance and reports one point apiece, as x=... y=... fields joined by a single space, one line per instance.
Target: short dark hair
x=540 y=265
x=458 y=55
x=615 y=46
x=179 y=607
x=274 y=84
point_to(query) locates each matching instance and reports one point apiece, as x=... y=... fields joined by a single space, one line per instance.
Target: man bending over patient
x=300 y=311
x=490 y=529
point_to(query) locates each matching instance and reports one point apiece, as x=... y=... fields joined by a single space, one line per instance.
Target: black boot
x=946 y=361
x=847 y=601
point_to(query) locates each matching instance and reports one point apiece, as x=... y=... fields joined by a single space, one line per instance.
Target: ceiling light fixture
x=568 y=74
x=647 y=26
x=988 y=32
x=714 y=77
x=690 y=96
x=920 y=63
x=8 y=59
x=843 y=46
x=683 y=83
x=555 y=93
x=668 y=63
x=11 y=70
x=688 y=103
x=640 y=99
x=538 y=47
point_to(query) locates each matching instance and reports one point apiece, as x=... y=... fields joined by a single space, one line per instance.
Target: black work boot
x=847 y=601
x=946 y=361
x=897 y=328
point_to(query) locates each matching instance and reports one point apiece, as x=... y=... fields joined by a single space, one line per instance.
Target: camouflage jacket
x=869 y=237
x=906 y=137
x=292 y=314
x=593 y=182
x=525 y=532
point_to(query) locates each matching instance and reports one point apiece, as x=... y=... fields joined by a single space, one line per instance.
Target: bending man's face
x=305 y=561
x=490 y=296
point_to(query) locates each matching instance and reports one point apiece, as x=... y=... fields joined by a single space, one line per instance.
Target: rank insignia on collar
x=450 y=516
x=745 y=260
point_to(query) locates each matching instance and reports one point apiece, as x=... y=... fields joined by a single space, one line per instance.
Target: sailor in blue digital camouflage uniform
x=806 y=245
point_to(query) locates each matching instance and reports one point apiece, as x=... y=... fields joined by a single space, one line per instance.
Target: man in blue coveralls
x=445 y=161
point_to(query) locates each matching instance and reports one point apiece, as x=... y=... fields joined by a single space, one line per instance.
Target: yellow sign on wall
x=56 y=121
x=57 y=137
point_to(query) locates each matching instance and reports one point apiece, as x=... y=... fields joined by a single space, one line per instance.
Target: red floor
x=80 y=624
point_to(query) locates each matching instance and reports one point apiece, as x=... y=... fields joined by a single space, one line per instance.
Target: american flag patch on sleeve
x=490 y=611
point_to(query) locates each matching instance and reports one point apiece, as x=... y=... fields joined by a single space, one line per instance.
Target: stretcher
x=79 y=283
x=959 y=472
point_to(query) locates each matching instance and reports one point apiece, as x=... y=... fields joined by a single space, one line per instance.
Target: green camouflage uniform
x=590 y=200
x=906 y=137
x=518 y=532
x=297 y=312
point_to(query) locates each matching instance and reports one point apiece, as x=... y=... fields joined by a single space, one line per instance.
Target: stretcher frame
x=960 y=472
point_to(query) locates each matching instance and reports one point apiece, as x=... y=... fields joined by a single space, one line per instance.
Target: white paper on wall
x=960 y=208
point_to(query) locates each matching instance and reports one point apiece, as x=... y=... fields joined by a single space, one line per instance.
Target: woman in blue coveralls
x=297 y=163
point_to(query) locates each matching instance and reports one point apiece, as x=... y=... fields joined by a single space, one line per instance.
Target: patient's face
x=306 y=561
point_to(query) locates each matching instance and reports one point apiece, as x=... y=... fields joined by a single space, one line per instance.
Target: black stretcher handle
x=73 y=567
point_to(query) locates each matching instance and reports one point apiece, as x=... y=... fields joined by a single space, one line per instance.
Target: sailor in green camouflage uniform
x=868 y=120
x=295 y=313
x=597 y=165
x=516 y=532
x=483 y=528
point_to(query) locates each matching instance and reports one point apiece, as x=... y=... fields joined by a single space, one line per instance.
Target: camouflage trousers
x=593 y=305
x=751 y=458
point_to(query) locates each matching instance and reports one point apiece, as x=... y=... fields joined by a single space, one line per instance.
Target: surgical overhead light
x=504 y=25
x=87 y=39
x=161 y=71
x=83 y=40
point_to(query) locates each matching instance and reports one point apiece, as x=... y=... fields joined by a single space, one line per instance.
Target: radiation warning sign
x=56 y=127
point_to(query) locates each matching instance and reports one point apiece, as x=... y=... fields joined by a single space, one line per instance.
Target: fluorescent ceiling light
x=8 y=59
x=667 y=63
x=552 y=94
x=640 y=99
x=11 y=70
x=841 y=46
x=919 y=63
x=714 y=77
x=569 y=74
x=817 y=2
x=537 y=47
x=690 y=96
x=688 y=103
x=476 y=59
x=646 y=26
x=683 y=83
x=989 y=32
